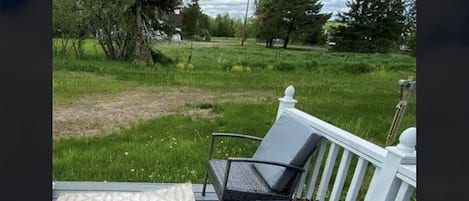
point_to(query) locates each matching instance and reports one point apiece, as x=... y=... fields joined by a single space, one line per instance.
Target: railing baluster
x=326 y=176
x=404 y=192
x=317 y=166
x=301 y=183
x=341 y=175
x=403 y=153
x=356 y=183
x=373 y=182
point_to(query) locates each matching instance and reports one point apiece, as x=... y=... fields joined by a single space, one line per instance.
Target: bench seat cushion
x=244 y=182
x=289 y=141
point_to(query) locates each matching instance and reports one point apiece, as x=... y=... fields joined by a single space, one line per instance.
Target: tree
x=69 y=27
x=194 y=22
x=268 y=20
x=370 y=26
x=286 y=19
x=411 y=25
x=224 y=26
x=190 y=16
x=124 y=27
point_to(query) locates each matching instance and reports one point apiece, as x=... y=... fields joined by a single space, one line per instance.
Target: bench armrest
x=235 y=135
x=250 y=160
x=232 y=135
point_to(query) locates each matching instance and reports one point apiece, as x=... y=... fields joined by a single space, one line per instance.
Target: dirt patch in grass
x=93 y=115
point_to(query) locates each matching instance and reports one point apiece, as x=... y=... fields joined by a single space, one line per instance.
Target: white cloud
x=237 y=8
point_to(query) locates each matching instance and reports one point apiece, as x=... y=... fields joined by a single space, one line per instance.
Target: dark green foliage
x=288 y=19
x=223 y=26
x=123 y=28
x=357 y=68
x=190 y=14
x=284 y=66
x=370 y=26
x=195 y=24
x=160 y=57
x=72 y=29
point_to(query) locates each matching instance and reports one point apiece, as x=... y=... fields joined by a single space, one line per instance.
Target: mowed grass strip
x=68 y=85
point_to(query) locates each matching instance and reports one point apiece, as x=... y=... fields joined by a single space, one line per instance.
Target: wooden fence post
x=287 y=101
x=404 y=153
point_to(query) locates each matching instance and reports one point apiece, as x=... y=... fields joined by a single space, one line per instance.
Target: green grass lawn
x=174 y=148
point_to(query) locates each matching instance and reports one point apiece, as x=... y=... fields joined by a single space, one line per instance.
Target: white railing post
x=287 y=101
x=404 y=153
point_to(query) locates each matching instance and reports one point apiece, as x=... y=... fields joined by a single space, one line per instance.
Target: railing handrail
x=393 y=164
x=408 y=174
x=361 y=147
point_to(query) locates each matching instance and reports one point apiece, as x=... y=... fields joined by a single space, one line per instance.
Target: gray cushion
x=289 y=141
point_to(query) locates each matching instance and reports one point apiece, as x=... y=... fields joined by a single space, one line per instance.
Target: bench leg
x=205 y=183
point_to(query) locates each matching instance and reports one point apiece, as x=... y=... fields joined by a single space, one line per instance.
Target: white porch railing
x=394 y=167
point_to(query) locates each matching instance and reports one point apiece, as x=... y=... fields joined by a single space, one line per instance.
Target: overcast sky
x=237 y=8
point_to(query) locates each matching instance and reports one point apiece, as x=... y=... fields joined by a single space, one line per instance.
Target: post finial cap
x=408 y=140
x=289 y=92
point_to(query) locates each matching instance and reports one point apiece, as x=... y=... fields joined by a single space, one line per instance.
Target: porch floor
x=79 y=186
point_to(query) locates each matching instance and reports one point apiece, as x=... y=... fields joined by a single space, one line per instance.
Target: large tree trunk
x=142 y=51
x=269 y=42
x=139 y=28
x=285 y=42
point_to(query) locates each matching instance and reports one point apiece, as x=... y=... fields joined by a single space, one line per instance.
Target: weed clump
x=184 y=66
x=258 y=64
x=357 y=68
x=311 y=65
x=226 y=66
x=159 y=57
x=216 y=108
x=401 y=67
x=284 y=66
x=237 y=68
x=240 y=68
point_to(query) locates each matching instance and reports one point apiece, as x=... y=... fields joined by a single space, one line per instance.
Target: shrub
x=284 y=66
x=357 y=68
